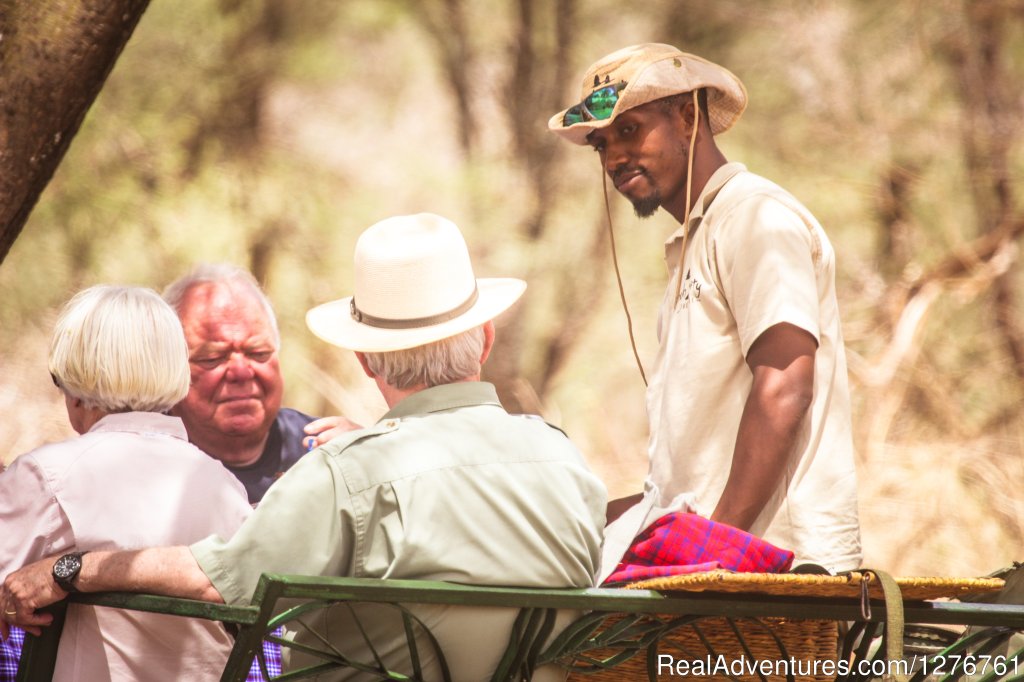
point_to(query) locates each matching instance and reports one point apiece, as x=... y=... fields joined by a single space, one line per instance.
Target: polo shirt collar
x=714 y=184
x=445 y=397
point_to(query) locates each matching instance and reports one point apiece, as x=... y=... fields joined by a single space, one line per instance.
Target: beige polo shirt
x=755 y=258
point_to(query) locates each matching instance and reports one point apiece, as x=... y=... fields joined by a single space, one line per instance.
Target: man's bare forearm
x=170 y=571
x=781 y=394
x=764 y=445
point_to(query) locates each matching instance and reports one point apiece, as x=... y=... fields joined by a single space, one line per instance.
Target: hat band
x=415 y=322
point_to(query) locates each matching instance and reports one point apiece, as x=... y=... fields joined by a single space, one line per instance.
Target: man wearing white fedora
x=446 y=486
x=749 y=403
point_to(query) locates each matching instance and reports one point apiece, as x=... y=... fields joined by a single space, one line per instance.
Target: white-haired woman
x=131 y=479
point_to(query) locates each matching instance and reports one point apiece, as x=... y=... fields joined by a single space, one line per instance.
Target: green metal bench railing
x=650 y=616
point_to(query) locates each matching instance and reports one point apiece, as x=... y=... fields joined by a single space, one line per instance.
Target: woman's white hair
x=120 y=349
x=442 y=362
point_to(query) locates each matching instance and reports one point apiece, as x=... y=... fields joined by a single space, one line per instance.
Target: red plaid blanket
x=688 y=543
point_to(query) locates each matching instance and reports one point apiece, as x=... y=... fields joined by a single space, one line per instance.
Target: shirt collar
x=707 y=195
x=142 y=422
x=445 y=397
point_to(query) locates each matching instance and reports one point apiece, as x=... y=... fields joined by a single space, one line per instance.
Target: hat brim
x=669 y=73
x=333 y=323
x=576 y=133
x=725 y=107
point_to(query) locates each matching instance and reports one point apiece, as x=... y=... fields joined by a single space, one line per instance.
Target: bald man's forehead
x=230 y=308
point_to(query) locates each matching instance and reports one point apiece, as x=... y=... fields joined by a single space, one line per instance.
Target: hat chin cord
x=618 y=276
x=689 y=187
x=682 y=251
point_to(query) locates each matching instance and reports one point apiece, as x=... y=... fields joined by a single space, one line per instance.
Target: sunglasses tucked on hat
x=414 y=284
x=643 y=73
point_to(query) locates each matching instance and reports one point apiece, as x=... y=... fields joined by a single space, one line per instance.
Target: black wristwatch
x=65 y=571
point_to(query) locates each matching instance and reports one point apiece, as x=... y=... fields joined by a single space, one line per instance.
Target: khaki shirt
x=446 y=486
x=755 y=258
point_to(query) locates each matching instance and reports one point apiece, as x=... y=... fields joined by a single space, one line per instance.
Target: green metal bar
x=250 y=635
x=255 y=619
x=542 y=636
x=592 y=599
x=526 y=621
x=188 y=608
x=640 y=601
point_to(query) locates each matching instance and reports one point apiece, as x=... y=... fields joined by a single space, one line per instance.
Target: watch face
x=66 y=569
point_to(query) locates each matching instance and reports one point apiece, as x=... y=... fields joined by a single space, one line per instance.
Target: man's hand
x=324 y=430
x=26 y=590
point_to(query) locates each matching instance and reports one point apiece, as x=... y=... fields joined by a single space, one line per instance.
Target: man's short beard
x=648 y=206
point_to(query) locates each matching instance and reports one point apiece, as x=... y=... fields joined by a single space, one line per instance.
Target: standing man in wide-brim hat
x=446 y=486
x=748 y=402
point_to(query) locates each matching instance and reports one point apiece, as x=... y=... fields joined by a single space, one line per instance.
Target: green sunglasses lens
x=597 y=107
x=573 y=115
x=602 y=102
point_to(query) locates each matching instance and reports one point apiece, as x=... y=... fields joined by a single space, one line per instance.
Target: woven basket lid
x=807 y=585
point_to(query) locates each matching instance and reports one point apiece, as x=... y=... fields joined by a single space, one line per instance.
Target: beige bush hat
x=414 y=284
x=652 y=71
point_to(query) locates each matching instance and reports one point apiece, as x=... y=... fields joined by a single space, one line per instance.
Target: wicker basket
x=808 y=585
x=806 y=648
x=722 y=649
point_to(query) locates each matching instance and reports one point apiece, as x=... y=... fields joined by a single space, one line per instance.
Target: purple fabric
x=272 y=655
x=10 y=653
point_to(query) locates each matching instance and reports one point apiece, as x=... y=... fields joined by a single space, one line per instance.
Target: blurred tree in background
x=54 y=58
x=271 y=134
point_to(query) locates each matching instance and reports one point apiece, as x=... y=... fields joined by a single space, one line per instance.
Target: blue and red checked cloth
x=682 y=542
x=649 y=541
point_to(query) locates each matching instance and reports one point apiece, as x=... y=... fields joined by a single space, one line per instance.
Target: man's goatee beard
x=645 y=208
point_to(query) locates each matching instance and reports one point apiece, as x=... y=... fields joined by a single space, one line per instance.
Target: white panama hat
x=414 y=284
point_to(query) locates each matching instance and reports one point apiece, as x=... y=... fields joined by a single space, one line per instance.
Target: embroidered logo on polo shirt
x=690 y=291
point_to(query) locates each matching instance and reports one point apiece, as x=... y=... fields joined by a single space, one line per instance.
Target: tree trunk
x=446 y=23
x=55 y=56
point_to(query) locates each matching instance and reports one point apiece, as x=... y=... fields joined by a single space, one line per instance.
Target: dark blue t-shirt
x=283 y=449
